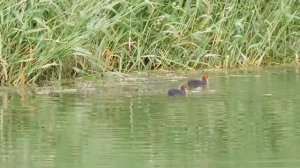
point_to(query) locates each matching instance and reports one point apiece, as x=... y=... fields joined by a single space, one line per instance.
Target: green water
x=246 y=119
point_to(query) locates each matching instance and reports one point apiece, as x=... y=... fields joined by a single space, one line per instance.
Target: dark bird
x=195 y=84
x=179 y=92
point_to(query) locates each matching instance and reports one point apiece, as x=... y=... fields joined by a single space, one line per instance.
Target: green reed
x=44 y=40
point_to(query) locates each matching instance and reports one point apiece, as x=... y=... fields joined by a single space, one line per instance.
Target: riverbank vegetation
x=45 y=40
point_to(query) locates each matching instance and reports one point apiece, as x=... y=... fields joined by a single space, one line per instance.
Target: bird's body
x=178 y=92
x=194 y=84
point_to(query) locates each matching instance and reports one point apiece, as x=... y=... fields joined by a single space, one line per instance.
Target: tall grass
x=55 y=39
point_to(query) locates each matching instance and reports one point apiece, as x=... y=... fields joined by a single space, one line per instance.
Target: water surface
x=245 y=119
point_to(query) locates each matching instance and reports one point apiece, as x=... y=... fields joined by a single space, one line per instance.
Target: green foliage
x=43 y=40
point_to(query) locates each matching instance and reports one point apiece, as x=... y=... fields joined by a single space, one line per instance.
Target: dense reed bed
x=56 y=39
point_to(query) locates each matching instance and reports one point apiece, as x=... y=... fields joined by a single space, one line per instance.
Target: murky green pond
x=246 y=119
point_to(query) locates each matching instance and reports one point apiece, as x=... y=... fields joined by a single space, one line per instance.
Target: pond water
x=245 y=119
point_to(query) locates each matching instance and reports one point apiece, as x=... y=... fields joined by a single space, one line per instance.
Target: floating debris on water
x=267 y=94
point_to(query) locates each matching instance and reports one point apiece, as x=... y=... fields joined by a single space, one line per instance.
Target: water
x=246 y=119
